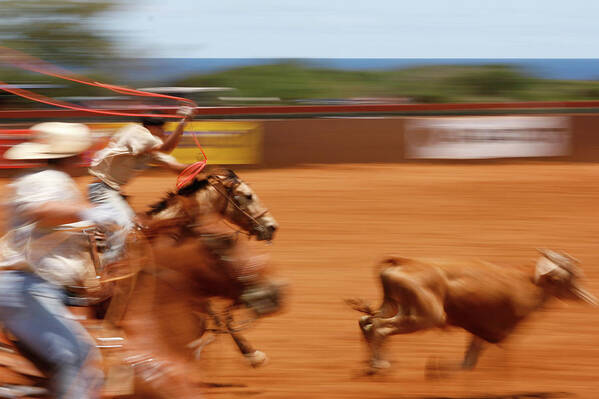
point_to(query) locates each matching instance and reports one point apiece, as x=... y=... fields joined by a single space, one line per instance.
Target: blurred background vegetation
x=60 y=31
x=427 y=84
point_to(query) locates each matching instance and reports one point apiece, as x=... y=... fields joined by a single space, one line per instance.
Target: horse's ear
x=230 y=178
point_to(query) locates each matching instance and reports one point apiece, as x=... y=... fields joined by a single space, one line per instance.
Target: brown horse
x=196 y=257
x=156 y=309
x=222 y=264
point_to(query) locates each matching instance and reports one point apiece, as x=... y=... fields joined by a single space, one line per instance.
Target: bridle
x=191 y=209
x=227 y=192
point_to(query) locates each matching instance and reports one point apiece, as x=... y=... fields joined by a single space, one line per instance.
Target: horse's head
x=222 y=192
x=241 y=205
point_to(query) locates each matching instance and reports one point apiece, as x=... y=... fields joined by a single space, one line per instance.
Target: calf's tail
x=389 y=261
x=360 y=305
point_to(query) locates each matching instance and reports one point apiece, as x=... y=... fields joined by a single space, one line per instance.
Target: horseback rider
x=39 y=257
x=130 y=150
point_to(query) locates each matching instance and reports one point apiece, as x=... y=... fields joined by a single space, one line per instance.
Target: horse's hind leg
x=162 y=380
x=203 y=340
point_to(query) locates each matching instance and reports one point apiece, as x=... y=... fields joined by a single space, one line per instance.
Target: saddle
x=22 y=377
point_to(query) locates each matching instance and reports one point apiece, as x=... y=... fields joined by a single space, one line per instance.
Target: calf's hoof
x=436 y=368
x=365 y=321
x=256 y=358
x=378 y=365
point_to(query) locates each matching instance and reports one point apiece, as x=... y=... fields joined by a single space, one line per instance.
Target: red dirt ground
x=337 y=221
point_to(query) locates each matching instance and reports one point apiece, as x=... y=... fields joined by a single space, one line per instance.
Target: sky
x=356 y=28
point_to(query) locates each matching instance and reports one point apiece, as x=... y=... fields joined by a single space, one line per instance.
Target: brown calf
x=484 y=299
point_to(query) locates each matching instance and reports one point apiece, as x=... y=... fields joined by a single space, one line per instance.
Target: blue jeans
x=32 y=310
x=110 y=200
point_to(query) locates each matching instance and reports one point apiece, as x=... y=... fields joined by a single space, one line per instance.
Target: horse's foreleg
x=255 y=357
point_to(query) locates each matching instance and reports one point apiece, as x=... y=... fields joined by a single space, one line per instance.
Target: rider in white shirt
x=38 y=260
x=129 y=151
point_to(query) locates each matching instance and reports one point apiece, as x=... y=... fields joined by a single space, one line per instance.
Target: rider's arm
x=46 y=198
x=49 y=199
x=173 y=140
x=167 y=162
x=55 y=213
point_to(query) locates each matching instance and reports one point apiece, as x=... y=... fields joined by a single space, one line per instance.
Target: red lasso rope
x=62 y=104
x=32 y=64
x=192 y=170
x=24 y=61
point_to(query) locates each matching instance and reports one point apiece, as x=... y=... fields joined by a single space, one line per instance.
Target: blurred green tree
x=294 y=80
x=492 y=80
x=56 y=30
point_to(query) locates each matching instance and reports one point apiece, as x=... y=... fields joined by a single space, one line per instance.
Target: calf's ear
x=543 y=268
x=584 y=295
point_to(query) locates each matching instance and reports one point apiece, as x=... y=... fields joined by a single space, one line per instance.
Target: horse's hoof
x=256 y=358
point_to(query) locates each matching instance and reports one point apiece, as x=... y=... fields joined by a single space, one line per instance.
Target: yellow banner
x=225 y=143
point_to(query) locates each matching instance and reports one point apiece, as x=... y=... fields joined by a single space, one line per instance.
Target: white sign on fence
x=487 y=137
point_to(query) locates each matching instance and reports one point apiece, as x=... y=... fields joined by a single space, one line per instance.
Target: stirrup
x=261 y=300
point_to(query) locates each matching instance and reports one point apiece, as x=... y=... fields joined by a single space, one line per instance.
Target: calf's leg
x=475 y=347
x=418 y=309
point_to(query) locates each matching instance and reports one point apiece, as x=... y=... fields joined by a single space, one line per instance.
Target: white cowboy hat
x=53 y=140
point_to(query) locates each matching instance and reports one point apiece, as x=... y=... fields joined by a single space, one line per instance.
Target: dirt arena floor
x=337 y=221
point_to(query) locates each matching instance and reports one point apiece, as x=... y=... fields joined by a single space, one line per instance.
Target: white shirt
x=131 y=149
x=60 y=257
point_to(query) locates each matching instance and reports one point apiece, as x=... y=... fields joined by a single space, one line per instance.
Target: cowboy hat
x=53 y=140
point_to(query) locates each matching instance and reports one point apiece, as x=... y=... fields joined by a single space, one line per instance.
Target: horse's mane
x=193 y=187
x=160 y=205
x=190 y=189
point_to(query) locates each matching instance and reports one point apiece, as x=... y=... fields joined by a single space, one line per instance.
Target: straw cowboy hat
x=53 y=140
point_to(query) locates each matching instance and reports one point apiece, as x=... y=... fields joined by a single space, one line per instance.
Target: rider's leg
x=111 y=201
x=33 y=311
